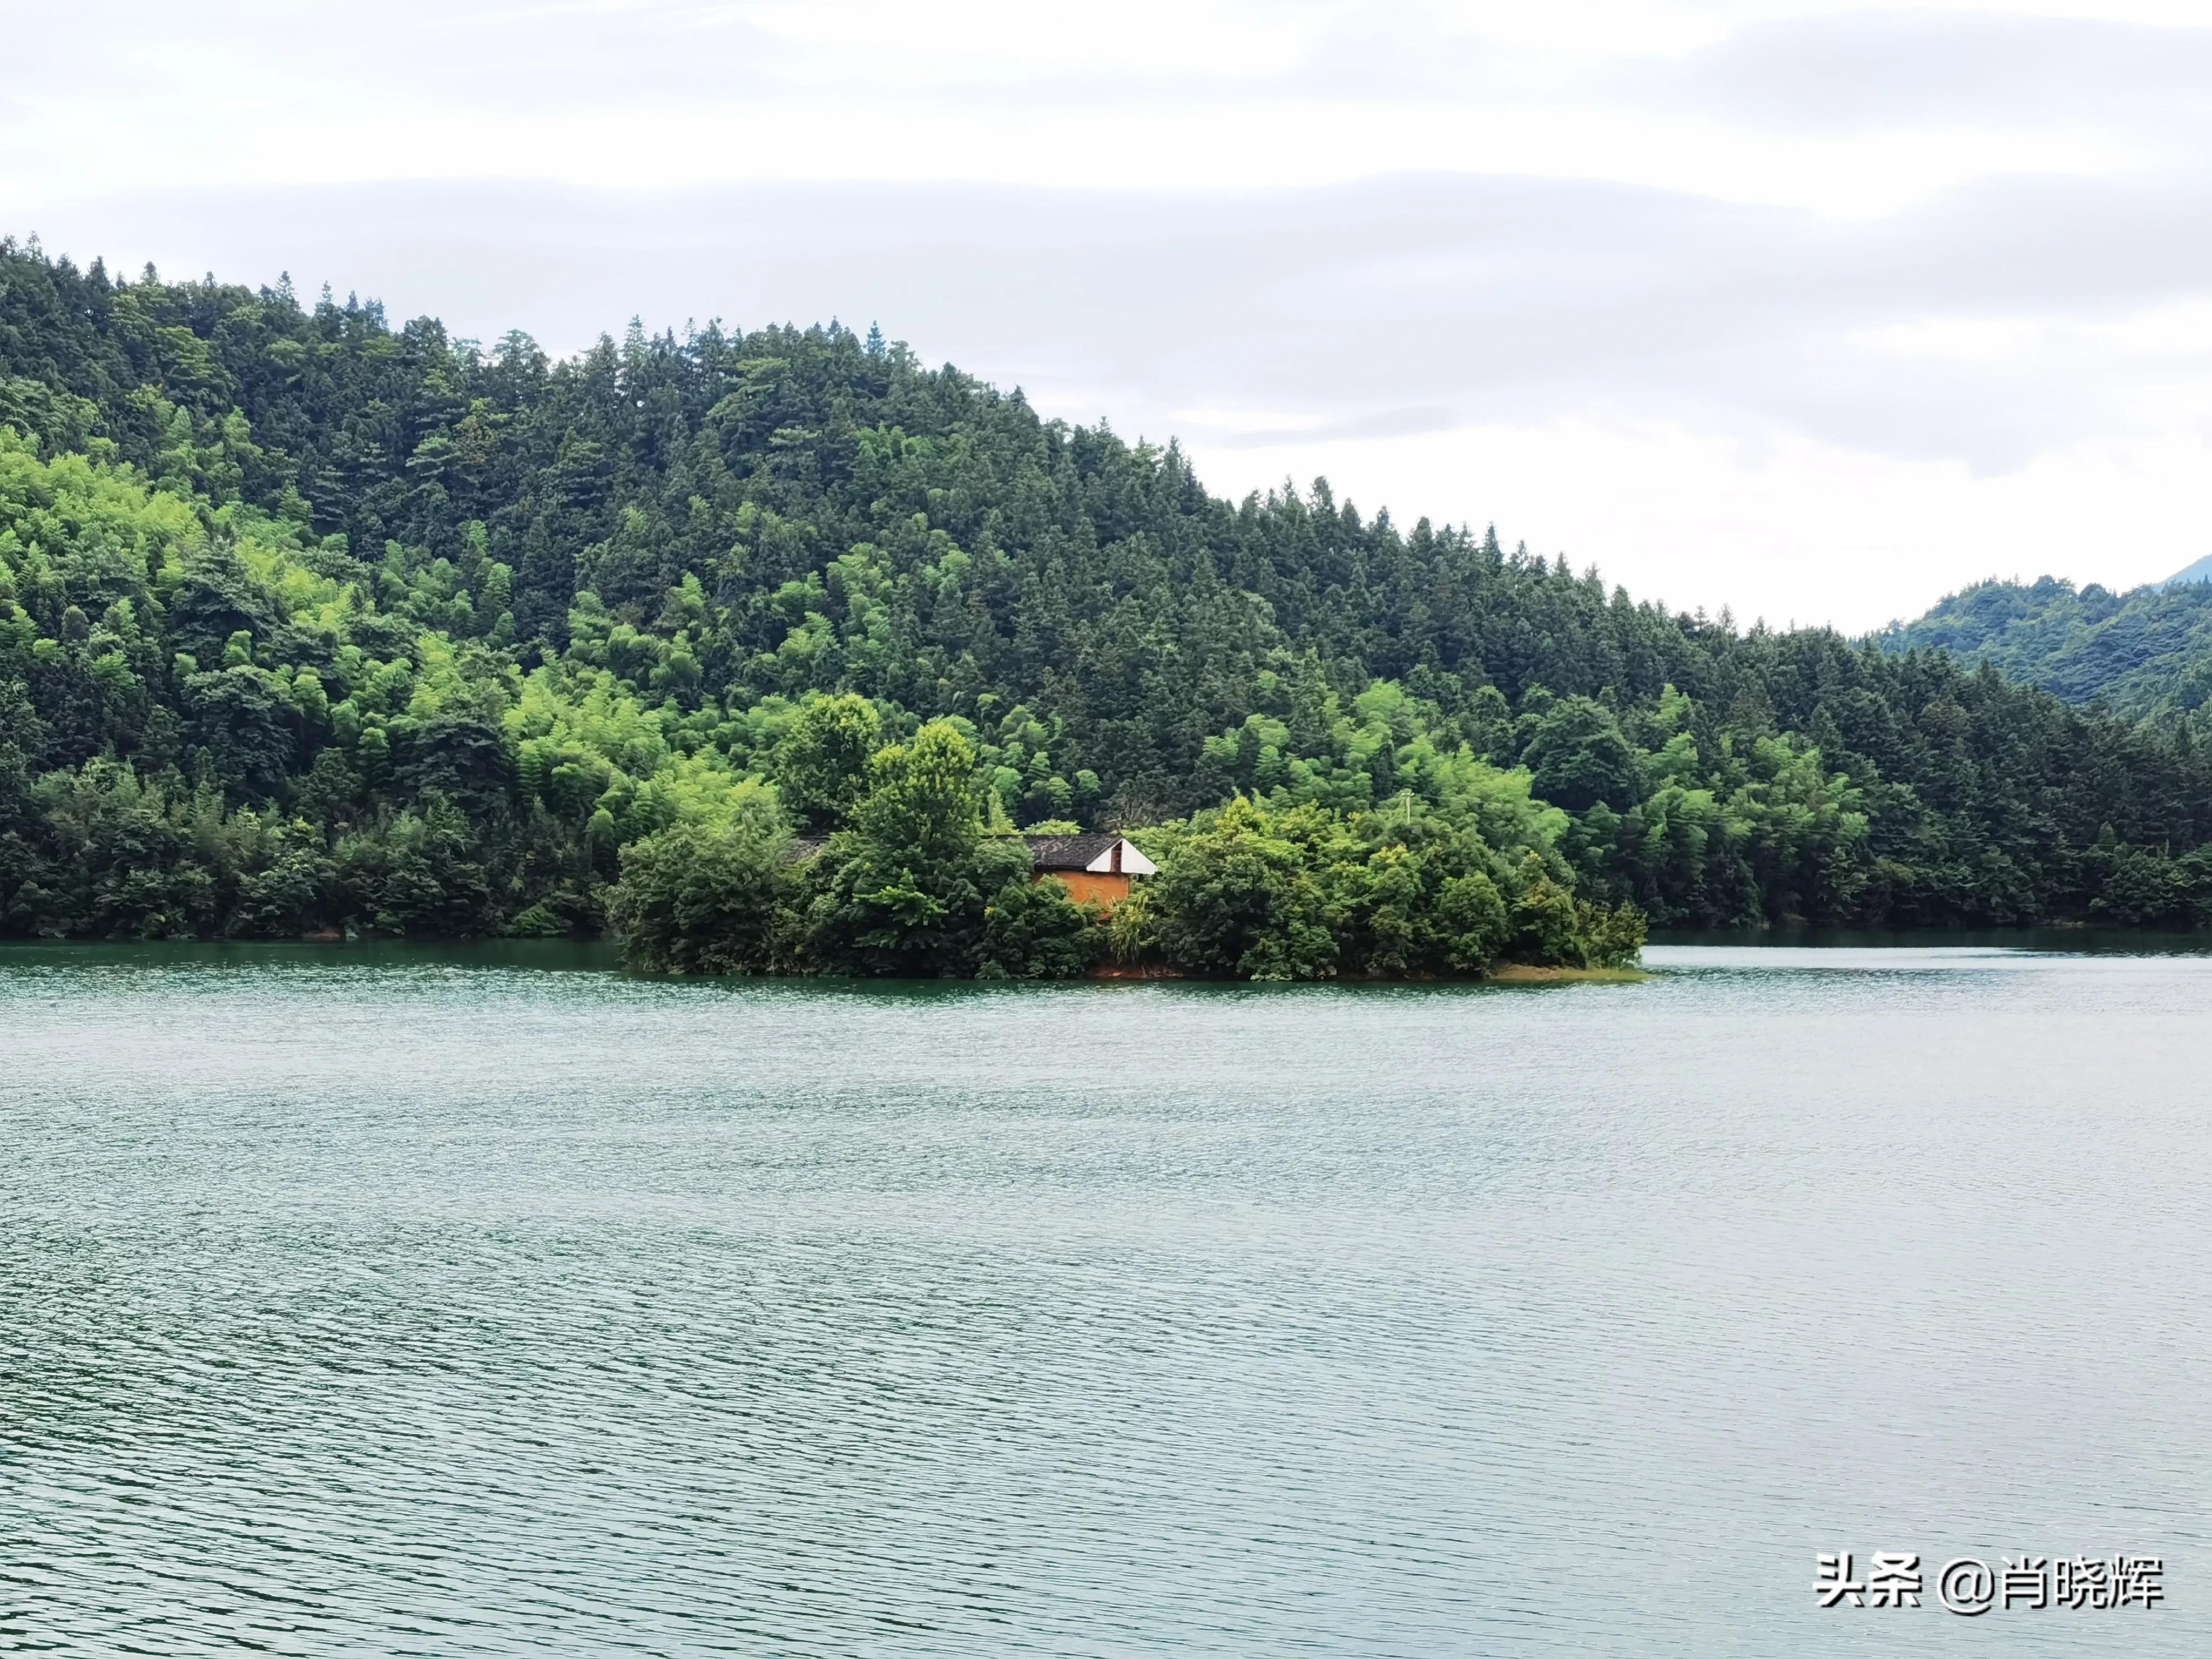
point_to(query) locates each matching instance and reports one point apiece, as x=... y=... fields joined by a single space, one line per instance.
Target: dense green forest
x=307 y=620
x=2145 y=652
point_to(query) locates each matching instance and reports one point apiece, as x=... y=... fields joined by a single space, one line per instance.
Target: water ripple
x=408 y=1305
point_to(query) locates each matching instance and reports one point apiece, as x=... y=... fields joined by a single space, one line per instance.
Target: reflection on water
x=2062 y=941
x=379 y=1300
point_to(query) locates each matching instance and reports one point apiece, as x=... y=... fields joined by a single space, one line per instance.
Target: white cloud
x=1815 y=310
x=1780 y=528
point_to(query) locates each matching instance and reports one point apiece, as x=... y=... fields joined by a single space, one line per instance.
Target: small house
x=1096 y=867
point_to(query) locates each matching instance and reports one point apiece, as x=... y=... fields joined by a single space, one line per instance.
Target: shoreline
x=1522 y=974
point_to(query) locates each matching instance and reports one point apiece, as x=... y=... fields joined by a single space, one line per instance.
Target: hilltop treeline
x=2147 y=653
x=307 y=620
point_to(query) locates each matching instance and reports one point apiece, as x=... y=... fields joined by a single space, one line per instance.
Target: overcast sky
x=1815 y=313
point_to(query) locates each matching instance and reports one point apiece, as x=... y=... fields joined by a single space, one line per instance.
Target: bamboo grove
x=309 y=622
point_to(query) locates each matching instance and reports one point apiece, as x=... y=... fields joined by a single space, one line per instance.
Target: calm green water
x=391 y=1302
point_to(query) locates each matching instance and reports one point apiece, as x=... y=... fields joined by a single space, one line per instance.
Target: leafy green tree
x=1578 y=757
x=461 y=757
x=247 y=723
x=699 y=899
x=821 y=766
x=290 y=891
x=1545 y=925
x=1471 y=919
x=417 y=875
x=1610 y=938
x=1033 y=930
x=923 y=799
x=906 y=889
x=1234 y=899
x=215 y=599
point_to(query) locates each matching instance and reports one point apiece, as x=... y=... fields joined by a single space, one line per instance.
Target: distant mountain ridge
x=2143 y=652
x=2199 y=572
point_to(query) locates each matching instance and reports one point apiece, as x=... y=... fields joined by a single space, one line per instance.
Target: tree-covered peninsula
x=756 y=646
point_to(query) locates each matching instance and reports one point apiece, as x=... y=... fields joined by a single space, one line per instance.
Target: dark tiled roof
x=1046 y=852
x=1069 y=851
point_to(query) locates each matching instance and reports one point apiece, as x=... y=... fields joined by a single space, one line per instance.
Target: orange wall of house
x=1092 y=887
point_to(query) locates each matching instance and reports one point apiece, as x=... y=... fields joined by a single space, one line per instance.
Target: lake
x=393 y=1300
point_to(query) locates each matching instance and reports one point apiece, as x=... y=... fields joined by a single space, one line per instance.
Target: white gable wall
x=1133 y=863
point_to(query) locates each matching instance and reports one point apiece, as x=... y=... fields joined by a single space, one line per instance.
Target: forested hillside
x=2147 y=651
x=308 y=621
